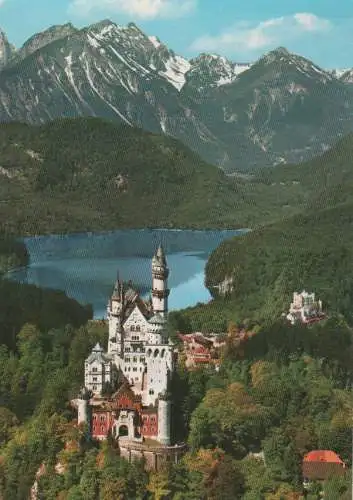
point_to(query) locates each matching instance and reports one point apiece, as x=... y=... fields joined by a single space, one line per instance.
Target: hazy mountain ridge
x=238 y=116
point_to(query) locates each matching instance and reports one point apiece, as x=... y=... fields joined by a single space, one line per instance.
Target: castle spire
x=160 y=290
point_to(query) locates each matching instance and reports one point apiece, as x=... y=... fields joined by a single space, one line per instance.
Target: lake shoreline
x=85 y=265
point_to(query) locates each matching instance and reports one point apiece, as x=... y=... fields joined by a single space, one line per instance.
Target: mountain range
x=280 y=109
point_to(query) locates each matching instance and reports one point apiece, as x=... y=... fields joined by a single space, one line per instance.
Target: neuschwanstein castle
x=140 y=350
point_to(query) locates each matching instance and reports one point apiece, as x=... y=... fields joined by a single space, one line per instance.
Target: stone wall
x=155 y=456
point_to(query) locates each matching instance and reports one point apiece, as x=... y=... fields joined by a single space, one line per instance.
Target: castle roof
x=97 y=354
x=159 y=257
x=157 y=319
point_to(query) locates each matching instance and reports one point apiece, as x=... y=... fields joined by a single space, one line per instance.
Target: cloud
x=142 y=9
x=247 y=38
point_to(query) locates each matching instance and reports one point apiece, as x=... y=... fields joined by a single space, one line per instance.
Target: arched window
x=156 y=352
x=149 y=352
x=138 y=328
x=123 y=430
x=132 y=328
x=162 y=353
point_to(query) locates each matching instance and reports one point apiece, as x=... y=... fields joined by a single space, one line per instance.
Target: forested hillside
x=279 y=398
x=312 y=251
x=13 y=253
x=87 y=174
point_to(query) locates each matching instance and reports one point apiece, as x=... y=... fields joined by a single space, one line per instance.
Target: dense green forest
x=87 y=174
x=12 y=253
x=283 y=398
x=313 y=251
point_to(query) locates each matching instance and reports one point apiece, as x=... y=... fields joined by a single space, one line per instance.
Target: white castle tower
x=164 y=417
x=160 y=292
x=115 y=314
x=83 y=406
x=140 y=349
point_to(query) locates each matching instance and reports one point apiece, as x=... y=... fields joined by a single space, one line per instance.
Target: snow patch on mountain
x=338 y=72
x=92 y=41
x=155 y=42
x=232 y=72
x=175 y=70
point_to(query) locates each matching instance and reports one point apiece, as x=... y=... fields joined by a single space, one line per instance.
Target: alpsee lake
x=85 y=265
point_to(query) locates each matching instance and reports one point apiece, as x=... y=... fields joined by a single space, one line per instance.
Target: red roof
x=201 y=350
x=326 y=456
x=185 y=338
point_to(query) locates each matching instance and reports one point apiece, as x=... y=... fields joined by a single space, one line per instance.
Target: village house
x=320 y=465
x=199 y=349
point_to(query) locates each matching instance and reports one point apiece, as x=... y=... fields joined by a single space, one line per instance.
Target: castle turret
x=83 y=406
x=160 y=292
x=115 y=317
x=164 y=416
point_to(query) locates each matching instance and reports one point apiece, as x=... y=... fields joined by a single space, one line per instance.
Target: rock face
x=280 y=109
x=6 y=50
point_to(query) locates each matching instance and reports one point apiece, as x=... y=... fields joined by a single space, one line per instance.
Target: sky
x=321 y=30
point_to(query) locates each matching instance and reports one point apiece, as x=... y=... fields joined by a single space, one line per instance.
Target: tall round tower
x=160 y=291
x=115 y=313
x=83 y=406
x=164 y=416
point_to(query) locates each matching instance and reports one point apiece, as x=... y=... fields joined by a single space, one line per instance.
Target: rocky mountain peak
x=40 y=40
x=282 y=63
x=6 y=49
x=276 y=110
x=212 y=70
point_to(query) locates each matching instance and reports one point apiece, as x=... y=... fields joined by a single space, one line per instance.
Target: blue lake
x=85 y=265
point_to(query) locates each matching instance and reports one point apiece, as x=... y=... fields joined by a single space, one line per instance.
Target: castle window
x=94 y=369
x=151 y=392
x=94 y=387
x=156 y=352
x=134 y=369
x=127 y=360
x=132 y=328
x=162 y=353
x=142 y=360
x=94 y=379
x=138 y=328
x=127 y=349
x=134 y=359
